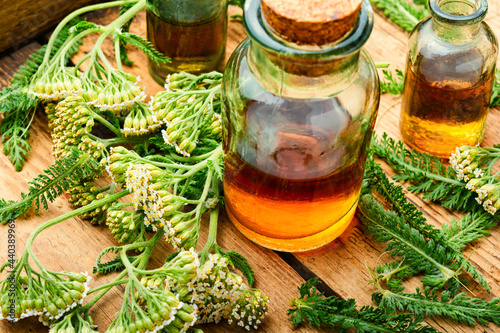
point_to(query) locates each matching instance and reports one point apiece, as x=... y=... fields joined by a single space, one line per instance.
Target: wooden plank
x=23 y=20
x=74 y=244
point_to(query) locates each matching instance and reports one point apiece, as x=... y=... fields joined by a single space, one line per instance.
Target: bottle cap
x=311 y=22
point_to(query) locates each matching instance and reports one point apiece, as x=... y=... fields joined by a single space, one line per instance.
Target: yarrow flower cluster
x=466 y=162
x=126 y=226
x=140 y=121
x=218 y=293
x=49 y=299
x=156 y=308
x=70 y=123
x=150 y=186
x=83 y=193
x=189 y=114
x=56 y=86
x=119 y=94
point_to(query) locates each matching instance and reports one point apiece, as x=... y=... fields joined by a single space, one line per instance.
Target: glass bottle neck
x=302 y=71
x=457 y=21
x=285 y=75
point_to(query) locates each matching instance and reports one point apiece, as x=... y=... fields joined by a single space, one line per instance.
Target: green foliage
x=452 y=239
x=125 y=28
x=391 y=84
x=341 y=315
x=49 y=185
x=144 y=45
x=14 y=128
x=238 y=3
x=403 y=241
x=114 y=265
x=427 y=174
x=405 y=14
x=470 y=228
x=461 y=308
x=495 y=96
x=19 y=107
x=239 y=261
x=84 y=25
x=394 y=195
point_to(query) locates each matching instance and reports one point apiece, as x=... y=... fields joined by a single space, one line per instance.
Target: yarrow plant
x=474 y=166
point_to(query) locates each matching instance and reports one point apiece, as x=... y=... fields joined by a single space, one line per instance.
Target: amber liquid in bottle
x=438 y=114
x=289 y=191
x=195 y=48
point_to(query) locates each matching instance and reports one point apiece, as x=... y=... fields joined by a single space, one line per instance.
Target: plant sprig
x=426 y=173
x=49 y=185
x=331 y=312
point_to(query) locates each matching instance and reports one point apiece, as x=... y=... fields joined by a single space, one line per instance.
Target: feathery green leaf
x=144 y=45
x=427 y=174
x=406 y=15
x=239 y=261
x=408 y=243
x=391 y=84
x=49 y=185
x=461 y=308
x=341 y=315
x=452 y=241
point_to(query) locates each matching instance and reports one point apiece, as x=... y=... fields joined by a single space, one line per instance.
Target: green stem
x=76 y=13
x=120 y=140
x=141 y=262
x=212 y=233
x=64 y=217
x=115 y=282
x=118 y=23
x=106 y=123
x=117 y=54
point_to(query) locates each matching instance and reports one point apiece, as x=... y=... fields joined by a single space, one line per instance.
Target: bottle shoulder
x=428 y=39
x=243 y=71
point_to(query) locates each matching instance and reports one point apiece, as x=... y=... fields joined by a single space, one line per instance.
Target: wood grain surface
x=73 y=245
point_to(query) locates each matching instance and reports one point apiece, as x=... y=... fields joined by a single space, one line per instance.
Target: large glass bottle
x=192 y=33
x=449 y=77
x=297 y=122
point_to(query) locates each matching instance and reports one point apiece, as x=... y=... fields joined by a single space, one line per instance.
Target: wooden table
x=73 y=245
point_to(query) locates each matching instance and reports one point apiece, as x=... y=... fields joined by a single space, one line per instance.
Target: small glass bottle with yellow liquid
x=192 y=33
x=449 y=78
x=300 y=97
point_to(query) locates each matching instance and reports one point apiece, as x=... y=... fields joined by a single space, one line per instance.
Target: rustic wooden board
x=23 y=20
x=74 y=244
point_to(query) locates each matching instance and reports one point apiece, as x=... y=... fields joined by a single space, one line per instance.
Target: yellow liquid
x=438 y=116
x=440 y=139
x=196 y=48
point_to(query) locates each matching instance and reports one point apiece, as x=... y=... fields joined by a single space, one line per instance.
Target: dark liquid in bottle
x=440 y=112
x=194 y=48
x=294 y=183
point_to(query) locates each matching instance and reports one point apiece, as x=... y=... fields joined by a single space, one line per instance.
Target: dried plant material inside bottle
x=194 y=47
x=445 y=103
x=292 y=187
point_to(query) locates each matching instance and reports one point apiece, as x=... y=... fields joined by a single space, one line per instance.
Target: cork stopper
x=311 y=22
